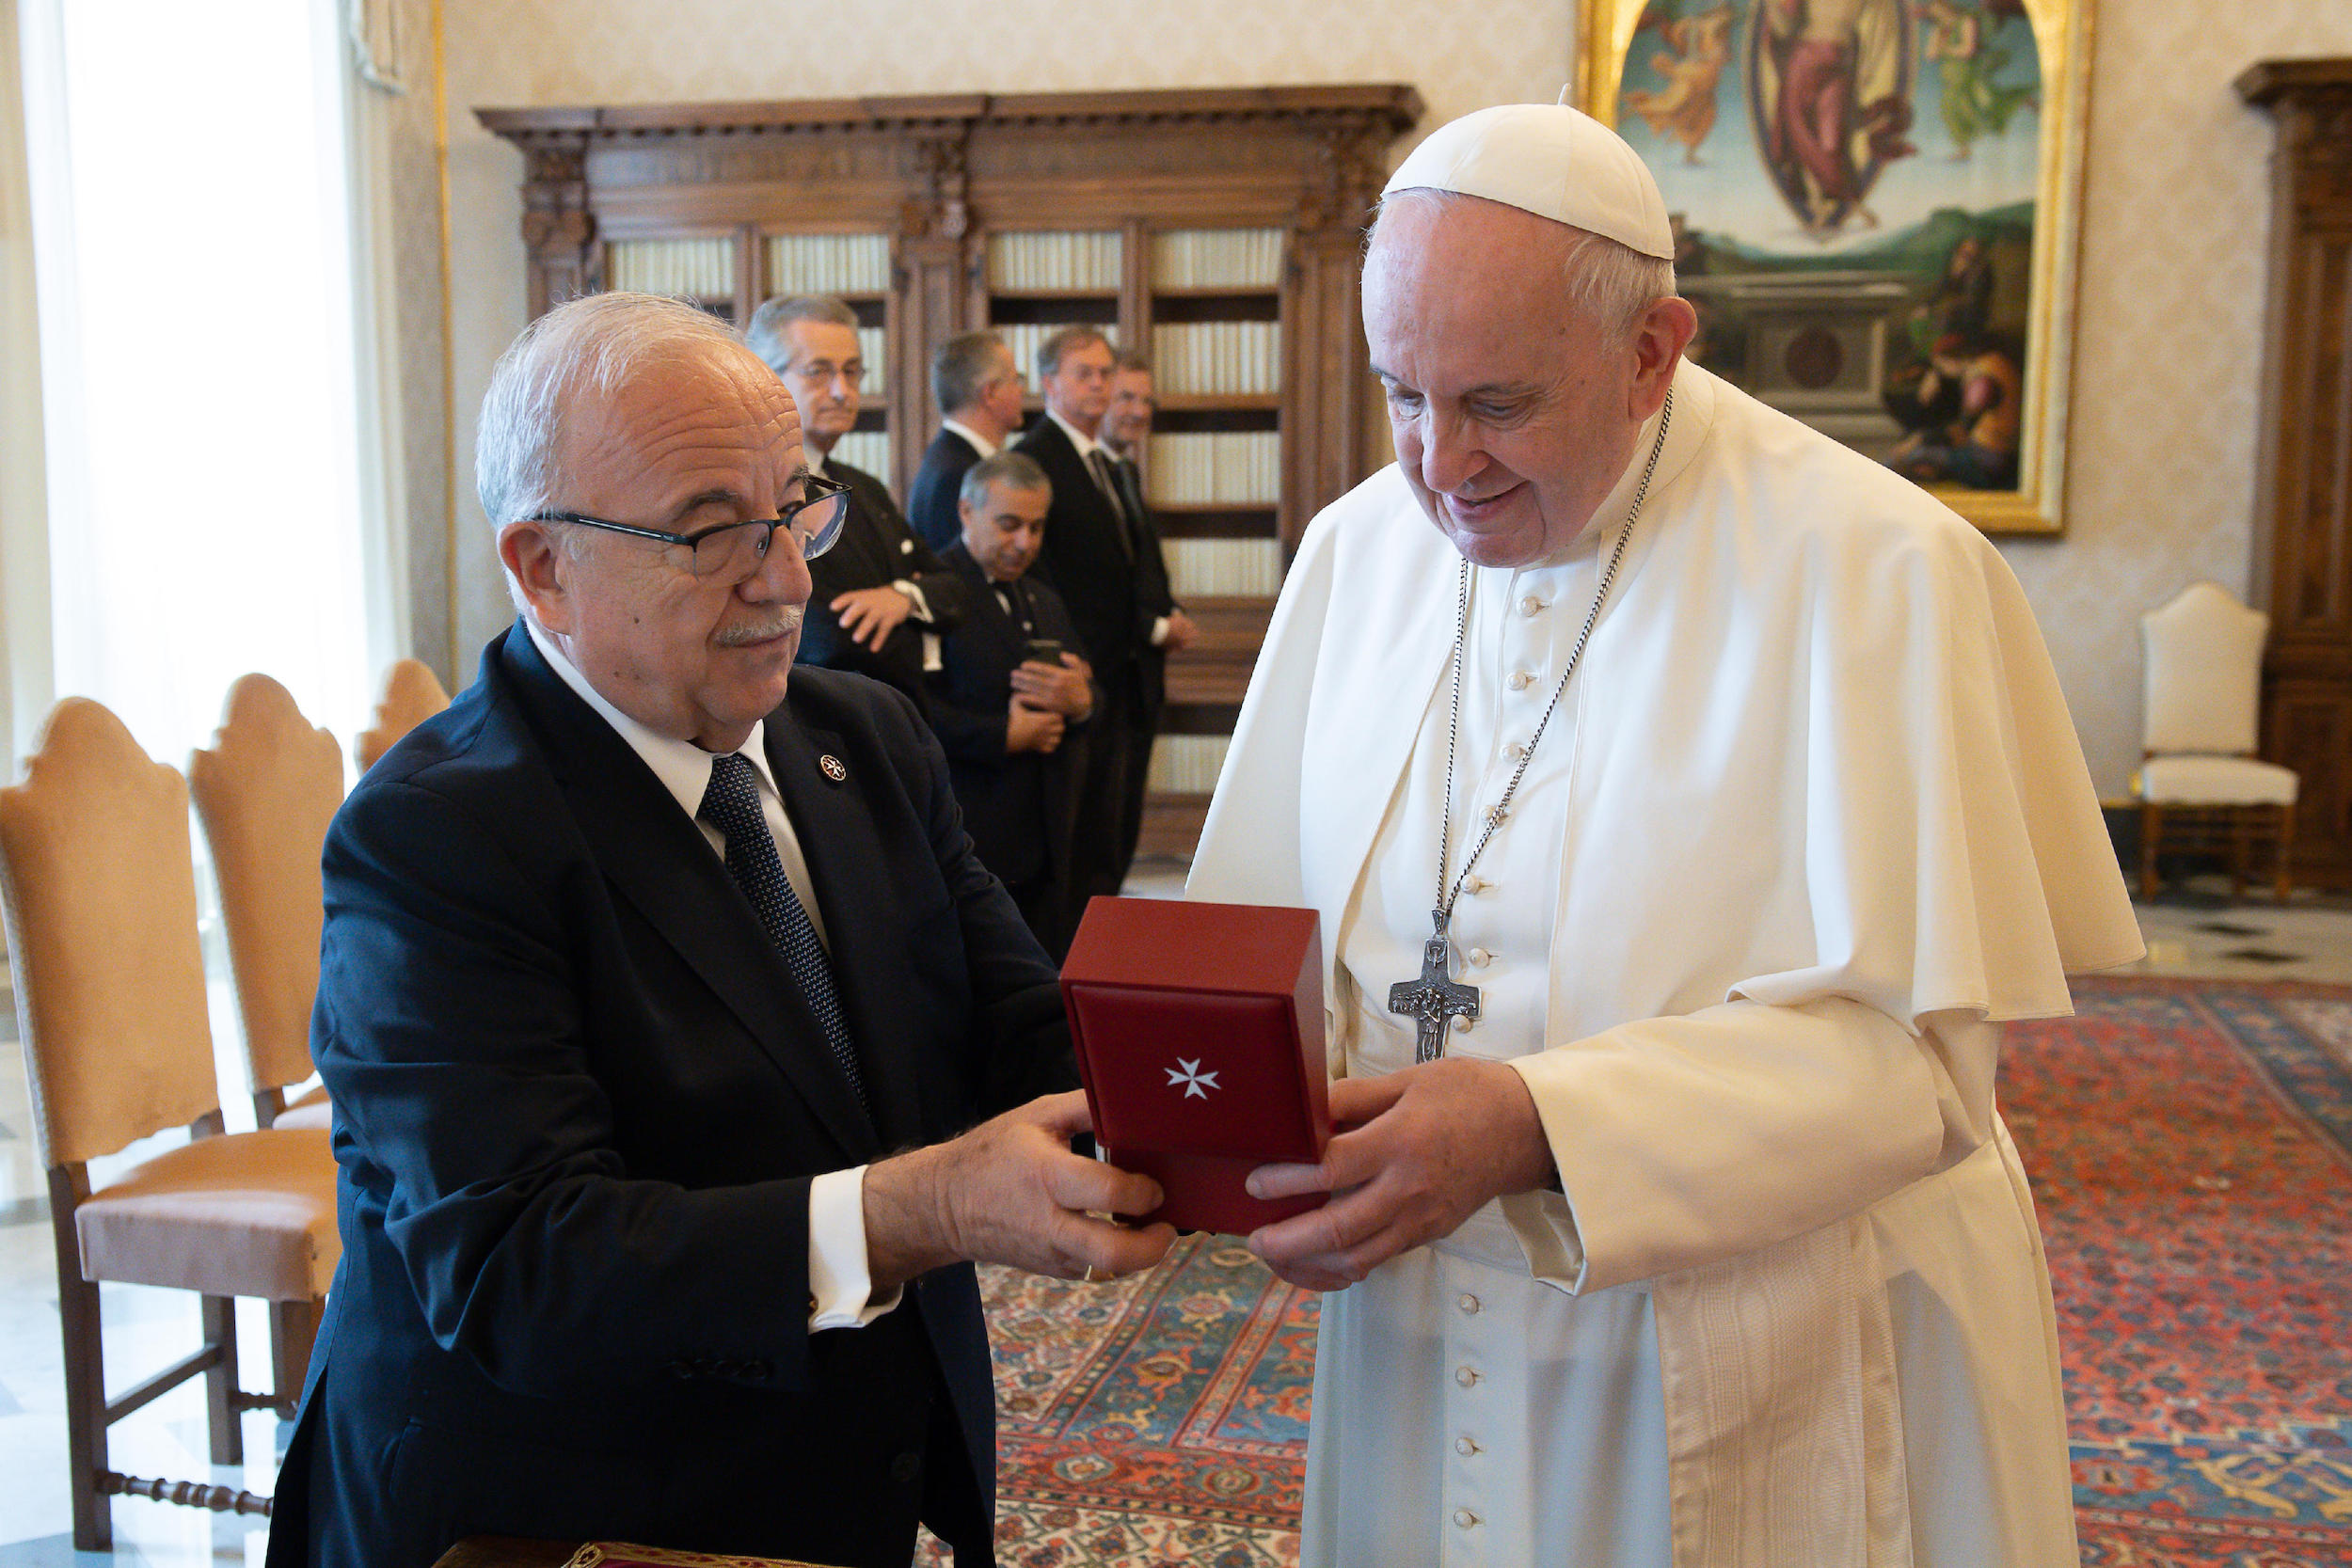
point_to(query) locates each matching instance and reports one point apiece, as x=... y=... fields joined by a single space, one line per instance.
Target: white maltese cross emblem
x=1197 y=1083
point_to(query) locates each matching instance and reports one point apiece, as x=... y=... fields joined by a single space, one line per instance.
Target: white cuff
x=838 y=1284
x=915 y=596
x=1159 y=631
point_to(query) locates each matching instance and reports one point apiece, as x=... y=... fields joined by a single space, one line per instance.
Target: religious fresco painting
x=1862 y=199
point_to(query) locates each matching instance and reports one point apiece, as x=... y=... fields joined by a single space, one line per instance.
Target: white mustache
x=743 y=633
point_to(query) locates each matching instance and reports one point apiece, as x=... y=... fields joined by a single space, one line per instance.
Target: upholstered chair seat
x=252 y=1215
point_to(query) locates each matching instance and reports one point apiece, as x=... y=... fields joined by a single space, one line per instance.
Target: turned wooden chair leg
x=84 y=1374
x=2285 y=859
x=2151 y=829
x=294 y=1329
x=219 y=1317
x=2241 y=836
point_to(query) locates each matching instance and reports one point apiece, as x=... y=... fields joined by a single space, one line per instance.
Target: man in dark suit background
x=882 y=597
x=1102 y=554
x=1012 y=683
x=978 y=386
x=638 y=961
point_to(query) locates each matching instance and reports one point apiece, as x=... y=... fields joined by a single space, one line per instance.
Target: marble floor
x=2194 y=932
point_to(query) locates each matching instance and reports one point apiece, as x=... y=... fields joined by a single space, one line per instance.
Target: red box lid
x=1199 y=1030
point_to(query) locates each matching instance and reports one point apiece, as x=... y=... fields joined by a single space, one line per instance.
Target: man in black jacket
x=1102 y=555
x=978 y=386
x=1012 y=687
x=881 y=598
x=639 y=960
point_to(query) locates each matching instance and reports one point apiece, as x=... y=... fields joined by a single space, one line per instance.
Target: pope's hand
x=1010 y=1191
x=1424 y=1149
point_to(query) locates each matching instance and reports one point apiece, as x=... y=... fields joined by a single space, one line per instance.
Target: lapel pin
x=832 y=768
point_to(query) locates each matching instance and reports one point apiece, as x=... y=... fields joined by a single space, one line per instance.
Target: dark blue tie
x=731 y=804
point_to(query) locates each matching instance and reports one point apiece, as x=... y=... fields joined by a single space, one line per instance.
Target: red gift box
x=1199 y=1030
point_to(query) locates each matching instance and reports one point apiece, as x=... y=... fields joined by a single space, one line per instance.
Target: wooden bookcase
x=1183 y=222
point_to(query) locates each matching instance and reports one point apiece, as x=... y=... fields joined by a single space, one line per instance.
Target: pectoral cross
x=1432 y=999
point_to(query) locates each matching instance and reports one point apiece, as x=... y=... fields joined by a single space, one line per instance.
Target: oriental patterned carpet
x=2191 y=1150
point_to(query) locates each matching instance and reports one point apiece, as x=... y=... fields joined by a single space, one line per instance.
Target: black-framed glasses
x=736 y=549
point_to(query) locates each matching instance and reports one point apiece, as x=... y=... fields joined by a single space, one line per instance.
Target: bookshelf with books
x=1216 y=229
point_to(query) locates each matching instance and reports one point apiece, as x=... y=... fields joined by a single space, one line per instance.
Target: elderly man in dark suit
x=1013 y=684
x=881 y=598
x=979 y=385
x=1102 y=555
x=639 y=961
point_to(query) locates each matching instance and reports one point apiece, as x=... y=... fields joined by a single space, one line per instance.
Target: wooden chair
x=99 y=892
x=412 y=694
x=265 y=793
x=2199 y=784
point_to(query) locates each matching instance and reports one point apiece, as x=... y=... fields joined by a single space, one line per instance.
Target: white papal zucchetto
x=1550 y=160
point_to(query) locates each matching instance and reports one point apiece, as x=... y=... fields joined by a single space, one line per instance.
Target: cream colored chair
x=412 y=694
x=265 y=793
x=2200 y=786
x=99 y=897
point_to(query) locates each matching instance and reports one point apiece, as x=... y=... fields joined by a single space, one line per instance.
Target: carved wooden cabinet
x=2303 y=497
x=917 y=209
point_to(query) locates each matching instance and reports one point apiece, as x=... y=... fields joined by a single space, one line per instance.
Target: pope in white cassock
x=1699 y=1242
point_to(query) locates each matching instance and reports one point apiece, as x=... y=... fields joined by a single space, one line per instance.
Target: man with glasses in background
x=639 y=960
x=978 y=386
x=882 y=597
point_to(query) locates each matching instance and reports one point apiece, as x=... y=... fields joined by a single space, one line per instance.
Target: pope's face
x=705 y=438
x=1513 y=413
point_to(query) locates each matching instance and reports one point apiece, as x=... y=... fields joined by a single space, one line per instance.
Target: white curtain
x=213 y=507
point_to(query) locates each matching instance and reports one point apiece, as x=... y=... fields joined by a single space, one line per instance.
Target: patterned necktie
x=731 y=804
x=1099 y=465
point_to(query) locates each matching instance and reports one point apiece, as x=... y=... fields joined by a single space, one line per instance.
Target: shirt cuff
x=1159 y=631
x=914 y=595
x=840 y=1286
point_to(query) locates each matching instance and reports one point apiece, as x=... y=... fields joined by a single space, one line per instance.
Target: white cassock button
x=1465 y=1518
x=1530 y=606
x=1521 y=680
x=1466 y=1376
x=1461 y=1024
x=1475 y=884
x=1467 y=1303
x=1518 y=750
x=1464 y=1446
x=1479 y=957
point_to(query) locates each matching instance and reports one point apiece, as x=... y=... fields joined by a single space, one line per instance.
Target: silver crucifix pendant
x=1432 y=999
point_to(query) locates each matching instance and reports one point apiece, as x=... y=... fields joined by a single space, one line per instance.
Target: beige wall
x=2161 y=484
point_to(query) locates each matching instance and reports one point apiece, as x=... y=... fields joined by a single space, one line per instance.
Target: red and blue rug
x=2191 y=1150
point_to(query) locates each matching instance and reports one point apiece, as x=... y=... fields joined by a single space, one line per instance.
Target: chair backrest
x=100 y=896
x=265 y=793
x=412 y=694
x=2203 y=660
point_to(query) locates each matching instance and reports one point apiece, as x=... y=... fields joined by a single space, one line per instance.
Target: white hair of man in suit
x=810 y=342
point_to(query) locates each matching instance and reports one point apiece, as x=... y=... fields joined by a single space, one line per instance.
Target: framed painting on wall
x=1875 y=207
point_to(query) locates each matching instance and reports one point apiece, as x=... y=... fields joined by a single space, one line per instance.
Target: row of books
x=1218 y=356
x=866 y=449
x=1222 y=468
x=1083 y=263
x=686 y=269
x=1209 y=568
x=1217 y=258
x=828 y=264
x=869 y=349
x=1025 y=338
x=1188 y=764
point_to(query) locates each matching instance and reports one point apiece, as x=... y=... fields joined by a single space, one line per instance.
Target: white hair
x=584 y=348
x=1612 y=282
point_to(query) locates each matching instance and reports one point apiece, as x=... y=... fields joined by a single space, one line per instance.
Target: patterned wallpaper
x=2161 y=484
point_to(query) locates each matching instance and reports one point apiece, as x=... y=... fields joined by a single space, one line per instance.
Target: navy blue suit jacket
x=938 y=487
x=579 y=1103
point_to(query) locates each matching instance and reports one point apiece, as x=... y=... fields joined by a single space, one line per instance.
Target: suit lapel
x=658 y=860
x=837 y=840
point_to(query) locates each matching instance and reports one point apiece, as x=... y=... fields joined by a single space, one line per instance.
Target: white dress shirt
x=973 y=438
x=837 y=1276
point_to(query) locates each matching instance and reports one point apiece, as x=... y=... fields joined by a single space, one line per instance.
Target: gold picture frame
x=1607 y=30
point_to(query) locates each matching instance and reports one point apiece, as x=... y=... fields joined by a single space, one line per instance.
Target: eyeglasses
x=734 y=550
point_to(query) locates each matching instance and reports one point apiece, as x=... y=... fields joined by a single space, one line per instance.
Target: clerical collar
x=973 y=438
x=1079 y=438
x=683 y=768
